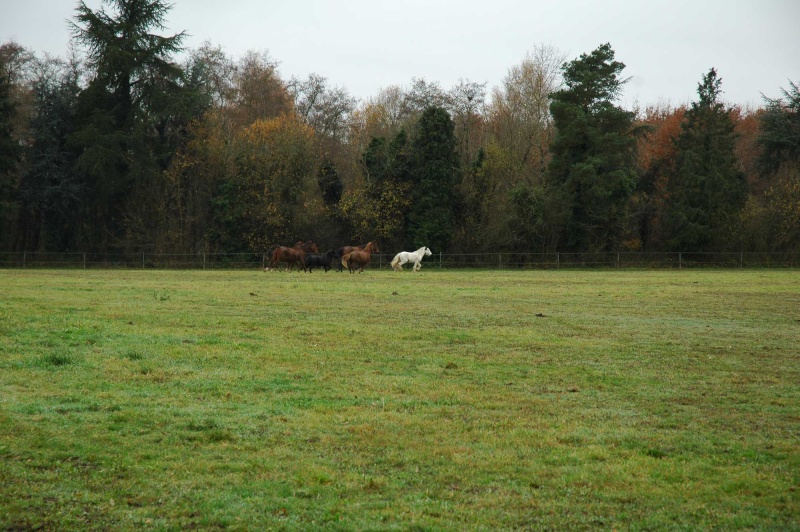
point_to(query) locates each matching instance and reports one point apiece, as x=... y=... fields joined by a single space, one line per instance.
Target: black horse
x=324 y=260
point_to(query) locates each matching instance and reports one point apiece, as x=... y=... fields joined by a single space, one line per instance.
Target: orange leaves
x=747 y=124
x=659 y=144
x=285 y=128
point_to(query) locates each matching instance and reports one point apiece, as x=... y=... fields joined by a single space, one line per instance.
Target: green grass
x=430 y=400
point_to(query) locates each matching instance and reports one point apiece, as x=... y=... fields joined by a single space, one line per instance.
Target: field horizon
x=553 y=399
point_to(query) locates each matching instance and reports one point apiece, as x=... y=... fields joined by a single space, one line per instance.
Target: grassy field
x=435 y=400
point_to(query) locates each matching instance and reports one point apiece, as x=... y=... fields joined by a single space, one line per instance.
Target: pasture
x=387 y=400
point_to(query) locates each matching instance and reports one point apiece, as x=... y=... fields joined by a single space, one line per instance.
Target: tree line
x=123 y=147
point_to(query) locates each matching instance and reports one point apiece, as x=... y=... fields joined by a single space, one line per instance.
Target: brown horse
x=360 y=258
x=341 y=252
x=292 y=256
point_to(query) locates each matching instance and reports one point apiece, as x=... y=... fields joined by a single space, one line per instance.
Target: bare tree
x=216 y=71
x=260 y=93
x=520 y=113
x=323 y=108
x=466 y=104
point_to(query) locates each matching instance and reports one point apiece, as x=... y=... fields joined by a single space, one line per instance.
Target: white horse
x=408 y=256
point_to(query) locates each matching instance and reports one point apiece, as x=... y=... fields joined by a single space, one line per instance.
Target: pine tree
x=435 y=166
x=9 y=156
x=128 y=112
x=780 y=164
x=707 y=189
x=780 y=130
x=593 y=153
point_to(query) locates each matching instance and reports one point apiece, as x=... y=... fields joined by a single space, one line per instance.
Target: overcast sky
x=366 y=45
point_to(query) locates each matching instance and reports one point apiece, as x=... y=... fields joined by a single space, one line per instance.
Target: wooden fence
x=216 y=261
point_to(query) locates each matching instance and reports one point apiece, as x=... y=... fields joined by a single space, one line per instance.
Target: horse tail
x=395 y=260
x=345 y=259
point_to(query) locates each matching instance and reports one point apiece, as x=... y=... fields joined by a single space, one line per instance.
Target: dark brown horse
x=292 y=256
x=357 y=258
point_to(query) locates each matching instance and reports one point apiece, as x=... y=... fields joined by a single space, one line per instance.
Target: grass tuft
x=56 y=360
x=133 y=355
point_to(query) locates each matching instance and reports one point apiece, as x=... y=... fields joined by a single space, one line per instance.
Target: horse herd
x=306 y=255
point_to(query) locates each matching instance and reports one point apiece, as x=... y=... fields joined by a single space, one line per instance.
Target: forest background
x=120 y=147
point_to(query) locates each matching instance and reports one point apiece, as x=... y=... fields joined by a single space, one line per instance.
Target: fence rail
x=212 y=261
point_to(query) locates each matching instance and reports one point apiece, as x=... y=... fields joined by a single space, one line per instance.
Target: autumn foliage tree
x=273 y=197
x=184 y=216
x=656 y=152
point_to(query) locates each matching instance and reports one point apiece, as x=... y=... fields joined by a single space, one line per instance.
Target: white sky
x=366 y=45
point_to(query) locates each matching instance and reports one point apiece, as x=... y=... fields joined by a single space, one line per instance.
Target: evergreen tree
x=388 y=161
x=377 y=162
x=707 y=189
x=780 y=131
x=131 y=64
x=330 y=182
x=780 y=164
x=48 y=191
x=593 y=152
x=435 y=166
x=128 y=113
x=9 y=156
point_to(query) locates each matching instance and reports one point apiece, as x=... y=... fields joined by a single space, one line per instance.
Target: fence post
x=84 y=261
x=499 y=261
x=680 y=260
x=618 y=260
x=24 y=258
x=143 y=260
x=741 y=259
x=558 y=260
x=440 y=260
